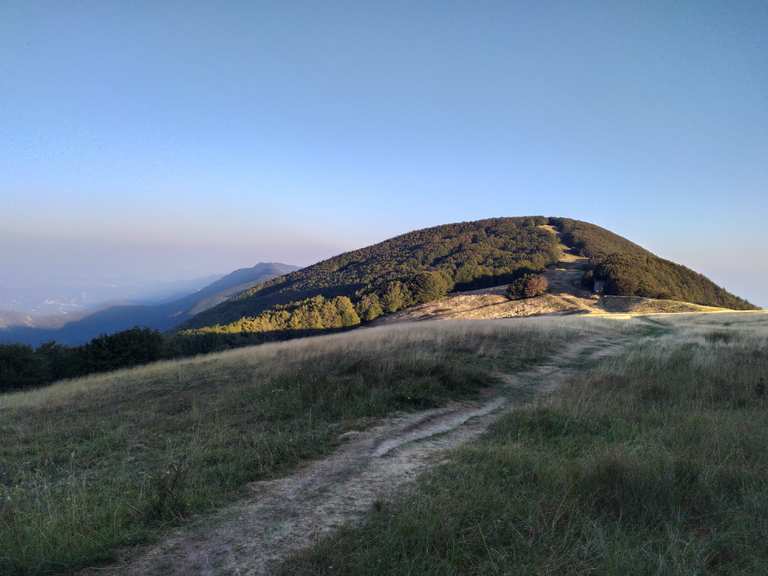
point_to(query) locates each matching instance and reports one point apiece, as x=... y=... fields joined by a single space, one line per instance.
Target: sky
x=145 y=142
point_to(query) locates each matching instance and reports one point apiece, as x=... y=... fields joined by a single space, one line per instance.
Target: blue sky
x=146 y=141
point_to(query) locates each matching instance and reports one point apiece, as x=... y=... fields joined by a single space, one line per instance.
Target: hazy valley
x=169 y=312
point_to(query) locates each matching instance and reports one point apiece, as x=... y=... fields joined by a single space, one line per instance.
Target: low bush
x=527 y=286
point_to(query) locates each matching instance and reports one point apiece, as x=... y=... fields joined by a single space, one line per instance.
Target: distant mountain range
x=23 y=328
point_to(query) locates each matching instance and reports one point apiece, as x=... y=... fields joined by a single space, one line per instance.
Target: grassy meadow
x=653 y=461
x=91 y=465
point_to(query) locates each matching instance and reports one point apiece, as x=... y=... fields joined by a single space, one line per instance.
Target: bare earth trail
x=283 y=516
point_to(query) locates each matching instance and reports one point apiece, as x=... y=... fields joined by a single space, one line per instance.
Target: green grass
x=653 y=462
x=91 y=465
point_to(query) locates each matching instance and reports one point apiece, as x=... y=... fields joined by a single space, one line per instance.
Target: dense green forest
x=22 y=366
x=629 y=270
x=416 y=267
x=593 y=241
x=316 y=313
x=320 y=313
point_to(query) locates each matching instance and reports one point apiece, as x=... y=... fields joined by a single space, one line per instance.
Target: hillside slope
x=570 y=291
x=422 y=266
x=627 y=269
x=463 y=255
x=158 y=316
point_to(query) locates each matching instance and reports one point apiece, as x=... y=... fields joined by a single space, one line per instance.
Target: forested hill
x=630 y=270
x=417 y=266
x=424 y=265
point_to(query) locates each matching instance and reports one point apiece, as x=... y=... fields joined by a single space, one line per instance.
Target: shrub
x=396 y=296
x=527 y=286
x=369 y=308
x=429 y=286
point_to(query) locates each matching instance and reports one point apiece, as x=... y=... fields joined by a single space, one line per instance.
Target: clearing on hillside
x=565 y=295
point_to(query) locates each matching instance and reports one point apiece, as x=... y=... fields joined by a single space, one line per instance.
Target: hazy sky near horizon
x=149 y=141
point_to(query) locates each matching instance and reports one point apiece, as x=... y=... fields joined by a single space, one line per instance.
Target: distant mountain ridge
x=391 y=275
x=163 y=316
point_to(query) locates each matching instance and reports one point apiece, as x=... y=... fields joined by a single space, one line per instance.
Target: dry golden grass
x=490 y=304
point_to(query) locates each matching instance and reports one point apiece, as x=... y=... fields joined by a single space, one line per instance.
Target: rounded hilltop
x=587 y=269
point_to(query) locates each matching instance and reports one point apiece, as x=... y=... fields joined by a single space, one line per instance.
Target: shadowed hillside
x=627 y=269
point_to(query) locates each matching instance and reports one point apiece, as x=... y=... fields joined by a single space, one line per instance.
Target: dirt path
x=565 y=276
x=288 y=514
